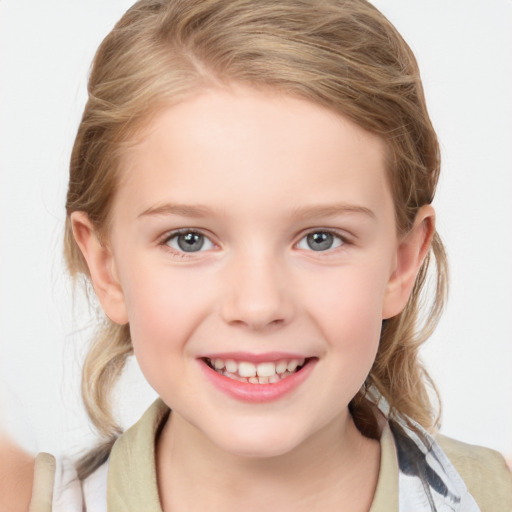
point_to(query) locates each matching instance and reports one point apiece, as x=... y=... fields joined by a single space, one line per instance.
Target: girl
x=250 y=197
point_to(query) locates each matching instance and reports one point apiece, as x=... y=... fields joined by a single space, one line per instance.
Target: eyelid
x=164 y=241
x=345 y=238
x=181 y=231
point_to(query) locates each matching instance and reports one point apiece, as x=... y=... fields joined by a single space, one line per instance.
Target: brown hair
x=340 y=54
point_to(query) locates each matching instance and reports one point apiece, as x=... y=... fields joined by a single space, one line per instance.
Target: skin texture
x=255 y=173
x=16 y=475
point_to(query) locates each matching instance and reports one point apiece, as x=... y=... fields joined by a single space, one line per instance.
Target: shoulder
x=16 y=475
x=483 y=470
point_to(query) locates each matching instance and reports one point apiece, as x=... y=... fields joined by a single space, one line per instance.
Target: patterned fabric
x=427 y=480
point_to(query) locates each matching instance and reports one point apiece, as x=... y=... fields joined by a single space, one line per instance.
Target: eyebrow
x=302 y=212
x=184 y=210
x=331 y=210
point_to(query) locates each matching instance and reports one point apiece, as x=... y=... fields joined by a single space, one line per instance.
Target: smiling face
x=252 y=234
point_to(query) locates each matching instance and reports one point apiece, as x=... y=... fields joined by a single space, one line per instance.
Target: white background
x=464 y=48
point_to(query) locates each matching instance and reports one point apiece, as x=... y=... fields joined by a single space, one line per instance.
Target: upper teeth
x=248 y=369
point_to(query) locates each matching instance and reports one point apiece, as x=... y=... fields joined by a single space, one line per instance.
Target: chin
x=263 y=448
x=257 y=440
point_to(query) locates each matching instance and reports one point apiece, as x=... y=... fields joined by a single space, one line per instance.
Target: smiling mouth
x=260 y=373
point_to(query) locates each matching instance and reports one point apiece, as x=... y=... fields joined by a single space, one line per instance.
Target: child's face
x=286 y=250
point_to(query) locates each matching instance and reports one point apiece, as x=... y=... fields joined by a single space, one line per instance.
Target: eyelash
x=175 y=234
x=334 y=234
x=343 y=241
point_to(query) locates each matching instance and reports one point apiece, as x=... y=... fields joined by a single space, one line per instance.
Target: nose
x=258 y=293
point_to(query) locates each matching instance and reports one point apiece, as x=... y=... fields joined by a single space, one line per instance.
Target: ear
x=411 y=251
x=101 y=264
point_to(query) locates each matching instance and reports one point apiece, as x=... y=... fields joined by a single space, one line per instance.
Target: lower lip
x=258 y=393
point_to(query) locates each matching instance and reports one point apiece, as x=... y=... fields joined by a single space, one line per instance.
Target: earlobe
x=101 y=265
x=411 y=252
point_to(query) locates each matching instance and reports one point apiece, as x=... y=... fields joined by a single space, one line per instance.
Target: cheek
x=164 y=308
x=352 y=288
x=348 y=308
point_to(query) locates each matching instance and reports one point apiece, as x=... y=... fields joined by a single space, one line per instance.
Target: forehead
x=247 y=146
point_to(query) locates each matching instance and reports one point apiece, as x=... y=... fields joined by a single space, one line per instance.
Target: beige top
x=132 y=484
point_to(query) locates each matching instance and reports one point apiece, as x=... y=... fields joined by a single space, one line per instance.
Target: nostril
x=257 y=323
x=257 y=302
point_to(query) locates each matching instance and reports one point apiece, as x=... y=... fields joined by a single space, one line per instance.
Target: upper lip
x=255 y=358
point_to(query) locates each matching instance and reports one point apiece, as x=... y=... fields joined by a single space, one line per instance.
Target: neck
x=336 y=467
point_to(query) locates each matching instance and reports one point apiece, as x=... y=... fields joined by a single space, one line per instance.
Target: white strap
x=67 y=491
x=95 y=490
x=71 y=496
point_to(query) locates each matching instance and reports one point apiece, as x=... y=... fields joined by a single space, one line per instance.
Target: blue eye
x=320 y=241
x=189 y=241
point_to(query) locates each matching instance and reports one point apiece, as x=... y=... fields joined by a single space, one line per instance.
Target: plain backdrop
x=464 y=48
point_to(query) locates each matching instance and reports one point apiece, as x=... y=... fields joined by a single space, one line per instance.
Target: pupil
x=320 y=241
x=190 y=242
